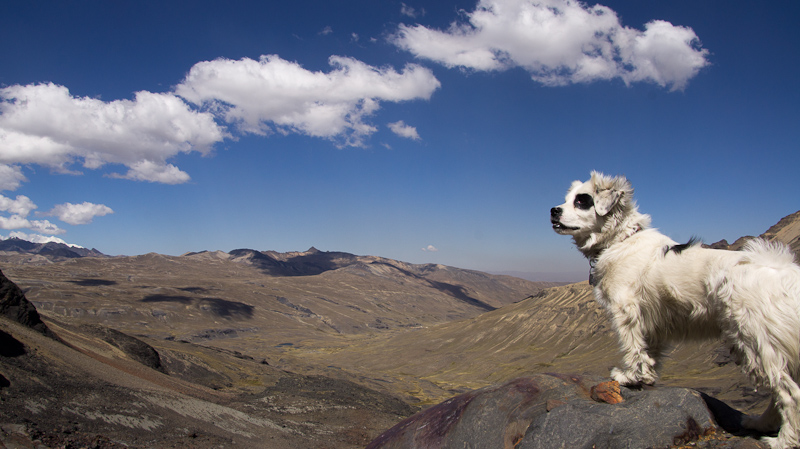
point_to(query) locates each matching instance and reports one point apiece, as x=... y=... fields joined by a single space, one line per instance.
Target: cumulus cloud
x=44 y=227
x=401 y=129
x=79 y=214
x=19 y=222
x=21 y=205
x=11 y=177
x=275 y=95
x=44 y=124
x=560 y=42
x=19 y=208
x=430 y=248
x=154 y=172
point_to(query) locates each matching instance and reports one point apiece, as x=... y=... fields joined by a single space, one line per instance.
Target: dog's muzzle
x=555 y=219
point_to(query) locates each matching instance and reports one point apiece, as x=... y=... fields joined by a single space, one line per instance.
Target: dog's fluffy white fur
x=656 y=291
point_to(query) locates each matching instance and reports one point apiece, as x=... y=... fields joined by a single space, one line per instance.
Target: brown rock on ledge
x=607 y=392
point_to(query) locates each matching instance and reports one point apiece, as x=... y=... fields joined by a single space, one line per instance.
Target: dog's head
x=590 y=205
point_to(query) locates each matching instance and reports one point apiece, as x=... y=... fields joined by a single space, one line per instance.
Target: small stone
x=607 y=392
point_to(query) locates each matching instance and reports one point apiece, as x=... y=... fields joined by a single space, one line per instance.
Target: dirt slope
x=71 y=394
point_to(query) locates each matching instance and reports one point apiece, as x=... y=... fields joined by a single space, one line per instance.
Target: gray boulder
x=566 y=411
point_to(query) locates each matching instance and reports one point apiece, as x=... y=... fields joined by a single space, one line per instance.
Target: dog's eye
x=583 y=201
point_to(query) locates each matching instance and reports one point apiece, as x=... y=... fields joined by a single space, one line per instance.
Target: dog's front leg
x=640 y=367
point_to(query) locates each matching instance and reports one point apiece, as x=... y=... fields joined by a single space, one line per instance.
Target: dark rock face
x=560 y=411
x=135 y=349
x=14 y=306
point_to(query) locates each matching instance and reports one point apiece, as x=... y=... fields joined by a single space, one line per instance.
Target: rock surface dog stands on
x=562 y=411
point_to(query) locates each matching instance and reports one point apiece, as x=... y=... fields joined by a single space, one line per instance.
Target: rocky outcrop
x=563 y=411
x=14 y=306
x=134 y=348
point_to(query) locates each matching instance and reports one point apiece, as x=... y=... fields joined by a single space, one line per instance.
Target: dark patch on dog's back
x=677 y=249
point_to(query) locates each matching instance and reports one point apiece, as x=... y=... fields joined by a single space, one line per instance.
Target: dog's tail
x=768 y=254
x=769 y=288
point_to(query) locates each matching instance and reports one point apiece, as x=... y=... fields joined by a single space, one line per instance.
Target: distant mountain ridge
x=307 y=263
x=786 y=230
x=51 y=249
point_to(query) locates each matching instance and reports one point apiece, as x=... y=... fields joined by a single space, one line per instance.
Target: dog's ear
x=605 y=200
x=608 y=191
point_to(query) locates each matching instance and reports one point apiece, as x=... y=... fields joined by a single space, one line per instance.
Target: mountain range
x=300 y=349
x=50 y=250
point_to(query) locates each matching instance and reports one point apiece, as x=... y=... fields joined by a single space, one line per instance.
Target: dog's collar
x=593 y=260
x=592 y=280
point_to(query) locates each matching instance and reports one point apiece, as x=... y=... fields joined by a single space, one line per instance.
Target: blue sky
x=422 y=131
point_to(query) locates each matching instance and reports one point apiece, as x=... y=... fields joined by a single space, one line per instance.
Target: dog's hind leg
x=784 y=410
x=787 y=403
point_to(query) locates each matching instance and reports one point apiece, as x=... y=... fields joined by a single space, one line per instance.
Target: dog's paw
x=628 y=378
x=625 y=378
x=777 y=443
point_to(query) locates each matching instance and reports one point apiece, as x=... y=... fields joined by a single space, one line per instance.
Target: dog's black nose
x=555 y=212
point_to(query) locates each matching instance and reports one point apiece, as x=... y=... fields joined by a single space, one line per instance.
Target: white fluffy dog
x=656 y=291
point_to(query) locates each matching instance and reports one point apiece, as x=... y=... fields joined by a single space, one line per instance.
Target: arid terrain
x=308 y=349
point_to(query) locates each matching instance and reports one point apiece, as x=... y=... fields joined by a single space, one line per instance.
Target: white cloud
x=154 y=172
x=79 y=214
x=19 y=222
x=21 y=205
x=410 y=12
x=273 y=94
x=560 y=42
x=430 y=248
x=19 y=208
x=401 y=129
x=44 y=227
x=11 y=177
x=326 y=31
x=14 y=222
x=44 y=124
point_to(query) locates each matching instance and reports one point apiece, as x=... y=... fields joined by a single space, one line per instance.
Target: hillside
x=94 y=391
x=215 y=296
x=560 y=330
